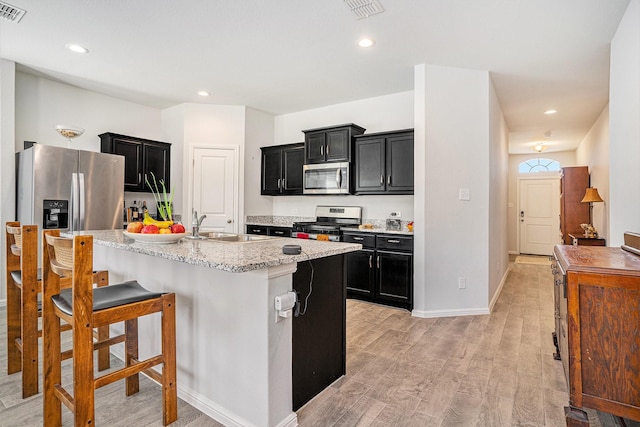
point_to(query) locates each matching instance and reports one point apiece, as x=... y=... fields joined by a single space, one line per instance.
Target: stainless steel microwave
x=326 y=178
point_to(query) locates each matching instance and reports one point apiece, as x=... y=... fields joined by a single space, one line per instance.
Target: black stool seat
x=107 y=296
x=17 y=276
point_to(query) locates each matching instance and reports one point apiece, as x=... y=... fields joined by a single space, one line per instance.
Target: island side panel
x=319 y=338
x=234 y=361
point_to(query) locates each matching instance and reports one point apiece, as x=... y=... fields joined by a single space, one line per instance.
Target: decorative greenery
x=163 y=200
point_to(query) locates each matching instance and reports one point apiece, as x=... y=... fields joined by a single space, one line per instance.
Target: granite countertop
x=228 y=256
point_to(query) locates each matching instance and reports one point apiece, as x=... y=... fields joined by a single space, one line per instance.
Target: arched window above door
x=539 y=165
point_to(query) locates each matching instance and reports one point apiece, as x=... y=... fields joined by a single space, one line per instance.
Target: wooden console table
x=598 y=291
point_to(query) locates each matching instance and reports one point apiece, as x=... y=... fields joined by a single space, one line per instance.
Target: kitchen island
x=234 y=359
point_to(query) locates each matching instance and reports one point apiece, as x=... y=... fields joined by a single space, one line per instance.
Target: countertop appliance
x=72 y=190
x=329 y=220
x=326 y=178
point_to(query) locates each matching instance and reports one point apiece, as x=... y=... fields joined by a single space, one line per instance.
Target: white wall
x=41 y=104
x=498 y=195
x=203 y=125
x=565 y=158
x=7 y=156
x=259 y=133
x=624 y=132
x=593 y=151
x=383 y=113
x=455 y=133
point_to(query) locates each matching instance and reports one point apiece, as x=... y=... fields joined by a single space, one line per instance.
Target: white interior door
x=539 y=215
x=215 y=188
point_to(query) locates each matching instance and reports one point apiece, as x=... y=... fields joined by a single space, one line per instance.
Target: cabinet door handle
x=388 y=179
x=378 y=262
x=278 y=232
x=322 y=150
x=139 y=178
x=381 y=179
x=279 y=184
x=370 y=261
x=327 y=151
x=358 y=238
x=393 y=241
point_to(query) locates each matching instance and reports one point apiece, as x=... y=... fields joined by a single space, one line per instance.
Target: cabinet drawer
x=402 y=243
x=257 y=229
x=366 y=240
x=280 y=231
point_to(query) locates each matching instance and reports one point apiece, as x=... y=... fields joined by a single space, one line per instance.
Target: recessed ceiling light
x=366 y=42
x=77 y=48
x=550 y=112
x=203 y=93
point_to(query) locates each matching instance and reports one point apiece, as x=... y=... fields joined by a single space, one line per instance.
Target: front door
x=539 y=215
x=215 y=188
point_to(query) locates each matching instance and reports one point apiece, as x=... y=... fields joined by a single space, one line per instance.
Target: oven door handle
x=339 y=177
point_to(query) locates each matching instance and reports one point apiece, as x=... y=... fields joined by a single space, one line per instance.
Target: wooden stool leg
x=14 y=361
x=131 y=354
x=83 y=375
x=30 y=289
x=52 y=369
x=29 y=338
x=101 y=279
x=169 y=385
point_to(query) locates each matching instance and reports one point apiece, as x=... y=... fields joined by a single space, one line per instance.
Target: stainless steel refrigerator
x=73 y=190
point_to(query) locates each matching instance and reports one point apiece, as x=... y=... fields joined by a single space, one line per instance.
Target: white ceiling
x=283 y=56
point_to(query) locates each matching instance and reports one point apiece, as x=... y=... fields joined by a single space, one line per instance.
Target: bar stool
x=85 y=308
x=24 y=284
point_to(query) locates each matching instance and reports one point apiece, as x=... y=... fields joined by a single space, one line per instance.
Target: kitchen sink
x=238 y=238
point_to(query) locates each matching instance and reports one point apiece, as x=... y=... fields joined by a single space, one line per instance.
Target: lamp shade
x=591 y=195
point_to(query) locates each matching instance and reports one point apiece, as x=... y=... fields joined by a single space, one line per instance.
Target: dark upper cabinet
x=384 y=163
x=330 y=144
x=141 y=158
x=281 y=172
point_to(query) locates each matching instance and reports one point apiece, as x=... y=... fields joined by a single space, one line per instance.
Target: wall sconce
x=591 y=196
x=69 y=132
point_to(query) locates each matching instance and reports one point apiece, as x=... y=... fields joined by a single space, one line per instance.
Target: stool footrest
x=65 y=397
x=128 y=371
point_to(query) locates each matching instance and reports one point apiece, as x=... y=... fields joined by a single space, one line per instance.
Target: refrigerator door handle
x=74 y=202
x=81 y=199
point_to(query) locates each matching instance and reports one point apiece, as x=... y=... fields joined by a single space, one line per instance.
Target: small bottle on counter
x=144 y=208
x=134 y=211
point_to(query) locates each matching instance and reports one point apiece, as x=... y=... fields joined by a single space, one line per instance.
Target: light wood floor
x=493 y=370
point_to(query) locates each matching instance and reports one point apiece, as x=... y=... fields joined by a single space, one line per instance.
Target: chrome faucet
x=195 y=224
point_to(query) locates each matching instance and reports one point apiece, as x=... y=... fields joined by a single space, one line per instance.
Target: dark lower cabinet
x=382 y=271
x=319 y=335
x=269 y=230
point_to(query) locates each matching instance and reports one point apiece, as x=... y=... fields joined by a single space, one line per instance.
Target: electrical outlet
x=464 y=194
x=462 y=282
x=396 y=214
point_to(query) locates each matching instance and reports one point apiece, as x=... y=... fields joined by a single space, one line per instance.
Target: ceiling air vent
x=11 y=13
x=364 y=8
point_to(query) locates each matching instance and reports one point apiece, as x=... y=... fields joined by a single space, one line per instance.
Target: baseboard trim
x=496 y=295
x=450 y=313
x=209 y=407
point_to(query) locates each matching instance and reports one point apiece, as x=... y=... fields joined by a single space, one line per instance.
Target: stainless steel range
x=328 y=221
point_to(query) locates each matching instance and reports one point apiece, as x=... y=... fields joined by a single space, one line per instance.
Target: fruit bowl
x=155 y=238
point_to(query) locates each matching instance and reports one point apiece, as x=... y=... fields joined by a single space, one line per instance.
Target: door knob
x=229 y=221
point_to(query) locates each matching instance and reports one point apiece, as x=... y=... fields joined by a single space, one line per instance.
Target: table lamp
x=591 y=196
